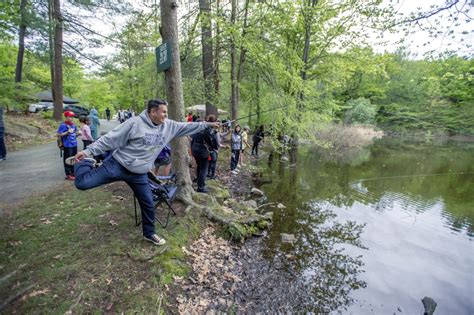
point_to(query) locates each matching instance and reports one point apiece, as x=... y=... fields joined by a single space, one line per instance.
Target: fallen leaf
x=39 y=292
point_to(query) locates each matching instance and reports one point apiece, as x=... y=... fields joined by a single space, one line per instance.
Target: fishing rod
x=265 y=111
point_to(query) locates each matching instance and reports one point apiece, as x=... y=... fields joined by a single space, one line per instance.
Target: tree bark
x=51 y=44
x=307 y=38
x=257 y=98
x=217 y=48
x=58 y=61
x=233 y=66
x=21 y=42
x=174 y=94
x=207 y=56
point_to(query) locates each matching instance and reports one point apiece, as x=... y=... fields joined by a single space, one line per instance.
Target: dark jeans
x=255 y=147
x=211 y=172
x=67 y=152
x=3 y=149
x=88 y=177
x=201 y=171
x=234 y=159
x=86 y=143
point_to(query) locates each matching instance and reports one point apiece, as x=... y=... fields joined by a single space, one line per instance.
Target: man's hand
x=80 y=156
x=214 y=124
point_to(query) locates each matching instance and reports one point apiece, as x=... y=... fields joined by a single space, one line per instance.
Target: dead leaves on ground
x=212 y=282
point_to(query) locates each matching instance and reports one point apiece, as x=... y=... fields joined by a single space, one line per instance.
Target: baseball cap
x=68 y=113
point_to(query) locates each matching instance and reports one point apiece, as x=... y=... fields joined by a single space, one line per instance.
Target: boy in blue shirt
x=68 y=132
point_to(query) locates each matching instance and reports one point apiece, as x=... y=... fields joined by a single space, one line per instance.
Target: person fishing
x=135 y=144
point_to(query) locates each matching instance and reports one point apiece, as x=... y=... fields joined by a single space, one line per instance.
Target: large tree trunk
x=174 y=94
x=217 y=48
x=58 y=61
x=233 y=66
x=207 y=56
x=21 y=42
x=257 y=98
x=308 y=21
x=51 y=43
x=243 y=52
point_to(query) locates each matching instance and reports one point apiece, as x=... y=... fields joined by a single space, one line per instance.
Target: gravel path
x=35 y=170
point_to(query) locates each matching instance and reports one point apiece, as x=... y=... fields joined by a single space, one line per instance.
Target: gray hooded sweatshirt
x=137 y=142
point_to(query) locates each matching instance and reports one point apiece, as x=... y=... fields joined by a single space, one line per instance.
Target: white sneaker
x=71 y=160
x=235 y=172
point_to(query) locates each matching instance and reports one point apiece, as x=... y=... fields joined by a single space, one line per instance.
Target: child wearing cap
x=67 y=132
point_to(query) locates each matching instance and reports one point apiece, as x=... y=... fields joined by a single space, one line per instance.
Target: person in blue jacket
x=95 y=123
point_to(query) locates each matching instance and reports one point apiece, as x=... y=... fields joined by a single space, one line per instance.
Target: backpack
x=210 y=139
x=59 y=141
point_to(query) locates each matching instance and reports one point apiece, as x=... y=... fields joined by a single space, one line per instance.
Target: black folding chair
x=162 y=194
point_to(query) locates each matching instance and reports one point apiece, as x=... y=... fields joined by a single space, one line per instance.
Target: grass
x=27 y=130
x=75 y=251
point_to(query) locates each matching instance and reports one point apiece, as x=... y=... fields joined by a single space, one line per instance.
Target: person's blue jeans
x=88 y=177
x=234 y=159
x=202 y=165
x=212 y=164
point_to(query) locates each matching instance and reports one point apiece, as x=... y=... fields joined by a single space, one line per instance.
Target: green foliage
x=360 y=111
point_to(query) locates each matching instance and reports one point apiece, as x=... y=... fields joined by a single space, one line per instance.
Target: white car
x=36 y=107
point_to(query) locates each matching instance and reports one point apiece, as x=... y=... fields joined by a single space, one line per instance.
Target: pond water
x=379 y=228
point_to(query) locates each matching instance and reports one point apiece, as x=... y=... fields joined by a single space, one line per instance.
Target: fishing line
x=416 y=175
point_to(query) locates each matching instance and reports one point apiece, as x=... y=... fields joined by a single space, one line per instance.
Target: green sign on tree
x=163 y=56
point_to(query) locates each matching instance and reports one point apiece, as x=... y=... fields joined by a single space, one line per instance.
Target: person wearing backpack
x=202 y=144
x=213 y=147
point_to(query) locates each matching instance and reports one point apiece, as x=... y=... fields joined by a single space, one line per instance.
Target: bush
x=359 y=111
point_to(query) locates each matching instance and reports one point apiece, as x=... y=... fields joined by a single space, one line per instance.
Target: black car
x=77 y=110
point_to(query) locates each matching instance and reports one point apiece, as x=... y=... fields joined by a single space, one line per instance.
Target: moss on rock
x=239 y=219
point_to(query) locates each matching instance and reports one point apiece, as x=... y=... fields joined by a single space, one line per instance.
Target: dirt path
x=35 y=170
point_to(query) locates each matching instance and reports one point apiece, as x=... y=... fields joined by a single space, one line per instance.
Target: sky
x=457 y=36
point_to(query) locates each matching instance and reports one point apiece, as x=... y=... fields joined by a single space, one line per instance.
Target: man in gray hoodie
x=134 y=146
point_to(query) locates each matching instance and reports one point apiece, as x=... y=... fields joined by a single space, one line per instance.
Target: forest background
x=288 y=64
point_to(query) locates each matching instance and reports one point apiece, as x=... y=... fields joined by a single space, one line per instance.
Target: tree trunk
x=58 y=61
x=207 y=56
x=217 y=55
x=308 y=20
x=21 y=42
x=243 y=51
x=174 y=94
x=257 y=98
x=51 y=44
x=233 y=66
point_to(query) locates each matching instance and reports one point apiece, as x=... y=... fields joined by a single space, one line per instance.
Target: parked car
x=36 y=107
x=77 y=110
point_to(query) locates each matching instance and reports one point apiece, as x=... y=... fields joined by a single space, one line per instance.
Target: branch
x=89 y=30
x=83 y=55
x=426 y=15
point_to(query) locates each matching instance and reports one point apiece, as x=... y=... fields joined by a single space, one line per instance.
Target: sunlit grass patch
x=80 y=251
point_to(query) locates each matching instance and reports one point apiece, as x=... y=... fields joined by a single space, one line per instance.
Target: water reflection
x=407 y=194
